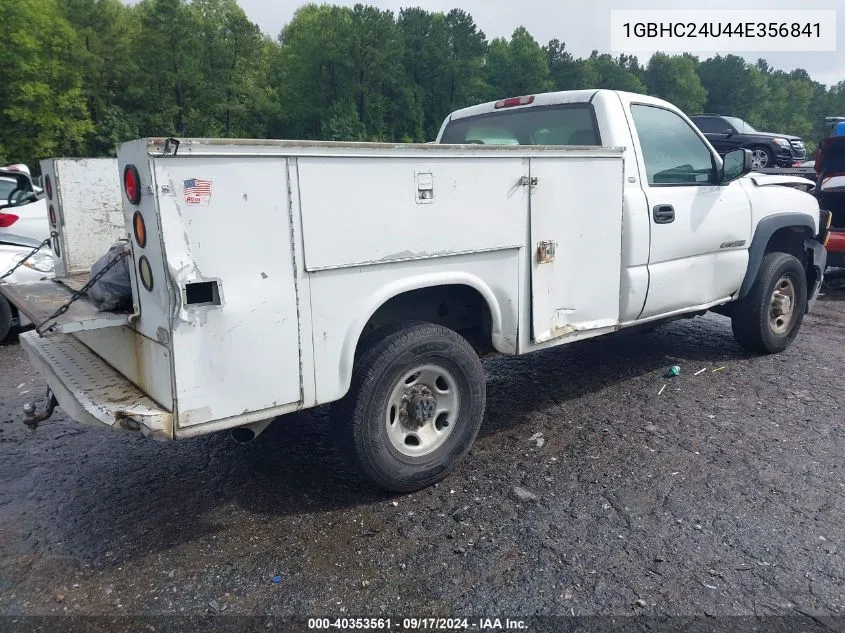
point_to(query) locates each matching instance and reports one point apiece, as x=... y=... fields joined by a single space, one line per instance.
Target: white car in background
x=23 y=207
x=14 y=248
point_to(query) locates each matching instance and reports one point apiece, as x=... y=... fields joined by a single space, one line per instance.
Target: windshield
x=741 y=126
x=553 y=125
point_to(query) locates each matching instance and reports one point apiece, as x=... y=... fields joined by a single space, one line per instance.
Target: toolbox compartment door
x=576 y=245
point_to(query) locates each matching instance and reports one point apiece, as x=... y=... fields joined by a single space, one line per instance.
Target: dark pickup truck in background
x=768 y=150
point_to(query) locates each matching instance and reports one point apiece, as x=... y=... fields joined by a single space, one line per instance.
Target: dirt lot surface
x=724 y=495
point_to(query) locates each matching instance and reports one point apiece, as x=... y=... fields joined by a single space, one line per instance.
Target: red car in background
x=830 y=191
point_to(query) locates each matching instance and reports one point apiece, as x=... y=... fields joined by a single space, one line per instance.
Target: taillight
x=7 y=220
x=140 y=229
x=145 y=272
x=132 y=184
x=514 y=101
x=48 y=187
x=52 y=215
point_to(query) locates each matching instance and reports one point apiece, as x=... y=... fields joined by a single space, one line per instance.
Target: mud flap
x=817 y=262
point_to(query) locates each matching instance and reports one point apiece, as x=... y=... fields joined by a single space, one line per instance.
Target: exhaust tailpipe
x=247 y=433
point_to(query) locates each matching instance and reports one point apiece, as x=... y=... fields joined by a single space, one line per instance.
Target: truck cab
x=691 y=238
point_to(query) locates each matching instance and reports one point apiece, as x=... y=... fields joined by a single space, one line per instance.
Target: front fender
x=766 y=228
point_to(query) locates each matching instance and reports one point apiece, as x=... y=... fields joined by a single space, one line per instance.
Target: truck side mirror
x=729 y=132
x=736 y=164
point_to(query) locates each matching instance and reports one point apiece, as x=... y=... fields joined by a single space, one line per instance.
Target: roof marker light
x=513 y=102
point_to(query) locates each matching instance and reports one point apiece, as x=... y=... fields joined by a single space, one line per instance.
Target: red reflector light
x=132 y=184
x=7 y=220
x=836 y=242
x=514 y=101
x=48 y=187
x=52 y=216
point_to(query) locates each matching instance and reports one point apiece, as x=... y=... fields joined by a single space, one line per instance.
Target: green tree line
x=80 y=76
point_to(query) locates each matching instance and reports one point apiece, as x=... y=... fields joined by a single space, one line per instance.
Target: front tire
x=414 y=406
x=762 y=157
x=767 y=320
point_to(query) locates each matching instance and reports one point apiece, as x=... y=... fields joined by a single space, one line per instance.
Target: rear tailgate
x=41 y=302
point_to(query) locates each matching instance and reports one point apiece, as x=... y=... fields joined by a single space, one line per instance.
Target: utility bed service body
x=272 y=276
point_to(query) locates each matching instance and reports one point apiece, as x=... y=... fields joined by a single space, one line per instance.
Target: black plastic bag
x=113 y=292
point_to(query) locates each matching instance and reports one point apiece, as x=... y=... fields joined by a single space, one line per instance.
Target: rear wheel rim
x=782 y=307
x=759 y=159
x=422 y=411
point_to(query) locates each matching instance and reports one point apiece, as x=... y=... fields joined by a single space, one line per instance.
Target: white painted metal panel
x=343 y=300
x=577 y=206
x=87 y=199
x=711 y=223
x=711 y=276
x=233 y=148
x=153 y=306
x=371 y=210
x=242 y=355
x=90 y=390
x=144 y=362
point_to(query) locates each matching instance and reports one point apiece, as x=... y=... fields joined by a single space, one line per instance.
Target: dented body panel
x=236 y=350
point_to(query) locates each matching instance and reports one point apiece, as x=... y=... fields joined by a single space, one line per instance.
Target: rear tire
x=414 y=407
x=767 y=320
x=5 y=318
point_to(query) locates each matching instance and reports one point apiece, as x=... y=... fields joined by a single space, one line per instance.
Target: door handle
x=664 y=214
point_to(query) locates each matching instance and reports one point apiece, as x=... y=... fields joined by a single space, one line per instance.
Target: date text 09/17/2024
x=418 y=624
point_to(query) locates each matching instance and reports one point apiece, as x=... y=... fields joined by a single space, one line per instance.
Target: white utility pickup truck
x=272 y=276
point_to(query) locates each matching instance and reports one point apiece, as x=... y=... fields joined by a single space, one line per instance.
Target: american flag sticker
x=197 y=191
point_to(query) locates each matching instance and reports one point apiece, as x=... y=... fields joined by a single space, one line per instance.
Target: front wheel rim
x=759 y=159
x=782 y=308
x=422 y=411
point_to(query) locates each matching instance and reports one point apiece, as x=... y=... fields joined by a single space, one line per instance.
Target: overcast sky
x=584 y=26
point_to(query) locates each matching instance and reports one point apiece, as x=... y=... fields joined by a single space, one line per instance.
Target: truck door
x=700 y=230
x=576 y=241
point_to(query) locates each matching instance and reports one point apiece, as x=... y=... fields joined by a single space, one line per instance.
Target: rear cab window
x=567 y=124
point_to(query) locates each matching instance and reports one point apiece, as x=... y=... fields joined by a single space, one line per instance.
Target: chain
x=31 y=253
x=80 y=293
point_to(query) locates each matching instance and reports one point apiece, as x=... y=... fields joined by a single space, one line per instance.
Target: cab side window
x=710 y=124
x=673 y=153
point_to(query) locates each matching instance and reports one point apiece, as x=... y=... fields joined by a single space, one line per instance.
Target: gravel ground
x=724 y=495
